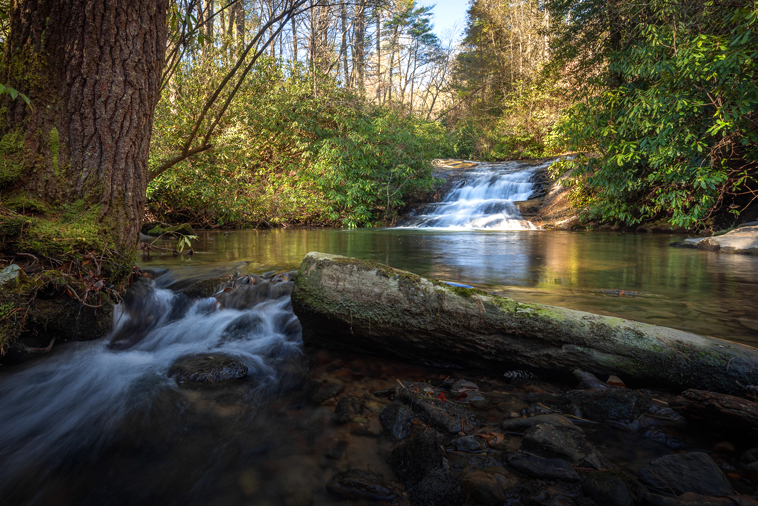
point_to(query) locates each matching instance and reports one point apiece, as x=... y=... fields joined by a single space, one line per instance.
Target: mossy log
x=365 y=306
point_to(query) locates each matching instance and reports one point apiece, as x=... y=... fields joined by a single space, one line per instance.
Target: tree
x=92 y=71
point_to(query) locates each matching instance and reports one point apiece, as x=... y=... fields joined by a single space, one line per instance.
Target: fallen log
x=717 y=409
x=364 y=306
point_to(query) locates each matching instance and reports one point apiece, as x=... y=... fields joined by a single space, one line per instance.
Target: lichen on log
x=365 y=306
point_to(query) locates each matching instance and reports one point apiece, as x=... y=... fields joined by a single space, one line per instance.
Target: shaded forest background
x=305 y=112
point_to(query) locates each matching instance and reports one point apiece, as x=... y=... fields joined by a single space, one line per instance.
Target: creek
x=94 y=424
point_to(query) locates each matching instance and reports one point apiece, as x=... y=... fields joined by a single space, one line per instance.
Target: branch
x=186 y=153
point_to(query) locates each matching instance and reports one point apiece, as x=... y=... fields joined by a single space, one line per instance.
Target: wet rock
x=464 y=386
x=345 y=410
x=415 y=458
x=688 y=499
x=247 y=296
x=460 y=461
x=689 y=472
x=206 y=288
x=524 y=423
x=358 y=484
x=11 y=276
x=370 y=427
x=470 y=444
x=607 y=489
x=325 y=390
x=207 y=369
x=717 y=409
x=620 y=405
x=615 y=382
x=485 y=488
x=438 y=488
x=396 y=420
x=476 y=400
x=588 y=380
x=546 y=469
x=444 y=415
x=561 y=442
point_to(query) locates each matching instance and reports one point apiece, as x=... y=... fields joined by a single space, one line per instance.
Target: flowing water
x=104 y=423
x=484 y=200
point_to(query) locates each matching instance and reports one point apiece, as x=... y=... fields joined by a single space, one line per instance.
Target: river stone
x=690 y=499
x=524 y=423
x=485 y=488
x=546 y=469
x=206 y=288
x=470 y=444
x=207 y=369
x=620 y=404
x=694 y=472
x=413 y=459
x=325 y=390
x=10 y=276
x=396 y=420
x=359 y=484
x=607 y=489
x=561 y=442
x=444 y=415
x=438 y=488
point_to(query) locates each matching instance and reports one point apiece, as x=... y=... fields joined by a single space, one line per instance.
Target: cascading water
x=485 y=199
x=78 y=401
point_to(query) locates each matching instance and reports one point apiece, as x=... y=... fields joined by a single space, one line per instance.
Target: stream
x=105 y=422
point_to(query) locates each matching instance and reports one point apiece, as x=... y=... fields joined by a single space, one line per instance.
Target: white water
x=78 y=398
x=485 y=200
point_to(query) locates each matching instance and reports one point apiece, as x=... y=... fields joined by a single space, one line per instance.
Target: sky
x=448 y=14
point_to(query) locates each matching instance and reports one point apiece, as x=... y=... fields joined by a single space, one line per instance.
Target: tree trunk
x=364 y=306
x=92 y=71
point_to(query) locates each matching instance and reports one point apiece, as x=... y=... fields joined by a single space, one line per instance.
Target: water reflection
x=630 y=275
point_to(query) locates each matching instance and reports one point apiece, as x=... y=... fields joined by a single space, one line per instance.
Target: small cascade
x=485 y=199
x=78 y=399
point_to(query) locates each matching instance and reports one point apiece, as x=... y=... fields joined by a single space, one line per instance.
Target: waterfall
x=484 y=199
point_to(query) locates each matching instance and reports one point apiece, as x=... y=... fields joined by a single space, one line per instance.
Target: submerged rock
x=428 y=404
x=358 y=484
x=607 y=489
x=561 y=442
x=619 y=405
x=438 y=488
x=207 y=369
x=689 y=472
x=546 y=469
x=524 y=423
x=487 y=489
x=413 y=459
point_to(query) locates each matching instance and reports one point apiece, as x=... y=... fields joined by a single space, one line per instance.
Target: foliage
x=678 y=133
x=286 y=155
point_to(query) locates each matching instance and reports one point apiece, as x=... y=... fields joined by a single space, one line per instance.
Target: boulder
x=694 y=472
x=527 y=422
x=560 y=442
x=207 y=369
x=427 y=402
x=364 y=306
x=619 y=405
x=396 y=420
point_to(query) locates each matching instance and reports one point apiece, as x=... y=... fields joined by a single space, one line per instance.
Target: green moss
x=460 y=290
x=25 y=204
x=11 y=158
x=54 y=148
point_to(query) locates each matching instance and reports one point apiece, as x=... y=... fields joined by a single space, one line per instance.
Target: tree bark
x=92 y=71
x=364 y=306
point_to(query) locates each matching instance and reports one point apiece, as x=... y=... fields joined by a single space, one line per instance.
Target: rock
x=607 y=489
x=358 y=484
x=207 y=369
x=620 y=405
x=751 y=472
x=743 y=239
x=546 y=469
x=688 y=499
x=469 y=444
x=524 y=423
x=476 y=400
x=396 y=420
x=561 y=442
x=709 y=244
x=363 y=306
x=588 y=380
x=11 y=276
x=484 y=488
x=717 y=409
x=438 y=488
x=444 y=415
x=206 y=288
x=464 y=386
x=325 y=390
x=343 y=411
x=247 y=296
x=413 y=459
x=689 y=472
x=615 y=381
x=368 y=427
